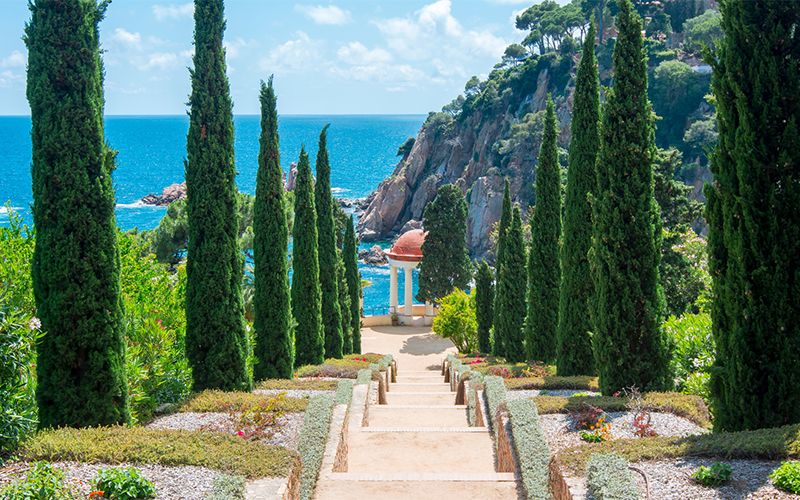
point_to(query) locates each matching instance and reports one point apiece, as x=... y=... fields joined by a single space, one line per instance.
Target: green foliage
x=350 y=257
x=274 y=350
x=553 y=383
x=309 y=341
x=313 y=437
x=532 y=452
x=716 y=475
x=494 y=391
x=703 y=31
x=754 y=223
x=544 y=269
x=227 y=487
x=344 y=304
x=216 y=344
x=550 y=24
x=445 y=259
x=510 y=300
x=609 y=478
x=498 y=342
x=573 y=340
x=628 y=346
x=42 y=482
x=787 y=477
x=296 y=384
x=406 y=147
x=692 y=352
x=75 y=269
x=456 y=321
x=220 y=402
x=676 y=91
x=344 y=392
x=484 y=306
x=123 y=483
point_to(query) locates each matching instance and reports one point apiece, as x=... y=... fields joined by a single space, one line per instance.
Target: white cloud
x=292 y=55
x=166 y=60
x=233 y=48
x=359 y=63
x=127 y=38
x=356 y=53
x=511 y=2
x=14 y=60
x=320 y=14
x=173 y=11
x=8 y=78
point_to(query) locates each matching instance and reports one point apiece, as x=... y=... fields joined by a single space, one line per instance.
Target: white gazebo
x=406 y=254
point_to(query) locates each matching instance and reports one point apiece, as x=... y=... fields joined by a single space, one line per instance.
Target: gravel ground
x=287 y=435
x=560 y=433
x=532 y=393
x=293 y=393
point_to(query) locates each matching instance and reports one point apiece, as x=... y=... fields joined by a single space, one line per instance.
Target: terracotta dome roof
x=408 y=246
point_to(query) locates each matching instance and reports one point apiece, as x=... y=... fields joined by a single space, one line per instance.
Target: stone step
x=420 y=387
x=417 y=416
x=440 y=489
x=430 y=379
x=420 y=398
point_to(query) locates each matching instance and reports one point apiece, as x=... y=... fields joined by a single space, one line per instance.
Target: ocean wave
x=137 y=204
x=337 y=190
x=4 y=209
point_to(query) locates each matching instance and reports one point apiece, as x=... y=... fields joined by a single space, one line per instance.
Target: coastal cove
x=152 y=149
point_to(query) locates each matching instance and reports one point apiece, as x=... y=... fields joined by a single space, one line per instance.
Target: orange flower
x=97 y=494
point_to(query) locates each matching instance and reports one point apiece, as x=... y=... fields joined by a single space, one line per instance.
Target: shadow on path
x=421 y=345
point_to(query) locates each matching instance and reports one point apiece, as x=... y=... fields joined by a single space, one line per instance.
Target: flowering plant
x=598 y=432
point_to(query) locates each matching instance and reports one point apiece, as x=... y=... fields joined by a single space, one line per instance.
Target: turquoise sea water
x=152 y=150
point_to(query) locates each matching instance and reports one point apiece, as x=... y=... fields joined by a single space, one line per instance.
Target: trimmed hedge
x=530 y=445
x=578 y=382
x=227 y=487
x=364 y=376
x=609 y=478
x=344 y=392
x=494 y=391
x=222 y=401
x=313 y=438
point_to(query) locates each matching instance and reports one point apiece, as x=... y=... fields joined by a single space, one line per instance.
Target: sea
x=152 y=150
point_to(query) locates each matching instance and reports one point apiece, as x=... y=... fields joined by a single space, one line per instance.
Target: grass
x=769 y=444
x=220 y=401
x=578 y=382
x=690 y=407
x=138 y=445
x=297 y=384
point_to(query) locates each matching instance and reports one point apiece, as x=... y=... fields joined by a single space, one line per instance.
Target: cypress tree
x=350 y=257
x=75 y=269
x=544 y=270
x=306 y=293
x=445 y=259
x=510 y=302
x=498 y=342
x=344 y=305
x=484 y=306
x=331 y=314
x=274 y=350
x=628 y=346
x=754 y=223
x=574 y=345
x=215 y=336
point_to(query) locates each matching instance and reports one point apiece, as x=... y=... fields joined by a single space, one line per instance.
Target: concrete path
x=419 y=445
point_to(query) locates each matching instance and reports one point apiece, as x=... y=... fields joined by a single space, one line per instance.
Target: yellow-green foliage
x=220 y=401
x=296 y=384
x=457 y=321
x=580 y=382
x=138 y=445
x=346 y=367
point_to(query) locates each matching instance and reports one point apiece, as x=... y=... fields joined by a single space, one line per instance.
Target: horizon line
x=236 y=114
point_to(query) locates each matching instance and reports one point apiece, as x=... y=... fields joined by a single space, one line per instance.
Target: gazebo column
x=428 y=308
x=409 y=296
x=393 y=305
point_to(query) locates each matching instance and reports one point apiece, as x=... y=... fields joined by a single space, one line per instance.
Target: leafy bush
x=703 y=30
x=221 y=401
x=610 y=478
x=457 y=321
x=531 y=448
x=692 y=352
x=598 y=432
x=313 y=438
x=787 y=477
x=585 y=416
x=228 y=487
x=43 y=482
x=258 y=421
x=718 y=474
x=123 y=483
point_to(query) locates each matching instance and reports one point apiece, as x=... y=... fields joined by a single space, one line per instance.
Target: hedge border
x=530 y=447
x=344 y=392
x=610 y=478
x=313 y=439
x=494 y=391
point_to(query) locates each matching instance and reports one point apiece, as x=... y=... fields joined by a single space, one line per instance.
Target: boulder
x=375 y=256
x=173 y=192
x=411 y=225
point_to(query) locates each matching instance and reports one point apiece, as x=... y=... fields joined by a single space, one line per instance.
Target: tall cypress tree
x=510 y=302
x=574 y=344
x=754 y=223
x=484 y=306
x=628 y=345
x=331 y=314
x=350 y=257
x=544 y=270
x=215 y=336
x=274 y=351
x=75 y=270
x=306 y=293
x=498 y=342
x=344 y=304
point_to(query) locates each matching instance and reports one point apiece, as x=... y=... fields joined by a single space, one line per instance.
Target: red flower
x=97 y=494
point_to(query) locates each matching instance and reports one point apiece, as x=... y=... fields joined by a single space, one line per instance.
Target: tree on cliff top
x=274 y=350
x=445 y=260
x=350 y=257
x=75 y=268
x=510 y=300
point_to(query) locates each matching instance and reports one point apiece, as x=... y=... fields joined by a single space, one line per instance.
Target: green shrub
x=533 y=454
x=222 y=401
x=579 y=382
x=692 y=352
x=43 y=482
x=494 y=391
x=227 y=487
x=344 y=392
x=364 y=376
x=296 y=384
x=716 y=475
x=787 y=477
x=609 y=478
x=123 y=483
x=327 y=371
x=457 y=321
x=313 y=438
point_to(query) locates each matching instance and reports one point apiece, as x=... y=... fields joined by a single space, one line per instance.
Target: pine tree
x=498 y=342
x=510 y=301
x=544 y=270
x=344 y=305
x=215 y=336
x=754 y=223
x=445 y=259
x=274 y=350
x=484 y=306
x=628 y=346
x=75 y=270
x=574 y=344
x=331 y=314
x=306 y=293
x=350 y=257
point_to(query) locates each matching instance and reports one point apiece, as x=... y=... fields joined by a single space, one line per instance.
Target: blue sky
x=348 y=56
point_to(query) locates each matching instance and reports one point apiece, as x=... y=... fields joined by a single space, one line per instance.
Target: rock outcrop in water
x=173 y=192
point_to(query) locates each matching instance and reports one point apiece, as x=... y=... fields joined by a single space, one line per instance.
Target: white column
x=409 y=302
x=392 y=289
x=428 y=308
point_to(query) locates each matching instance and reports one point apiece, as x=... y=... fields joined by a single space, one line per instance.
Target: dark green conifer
x=350 y=257
x=344 y=305
x=306 y=294
x=484 y=306
x=498 y=342
x=628 y=345
x=754 y=217
x=574 y=344
x=544 y=270
x=511 y=285
x=75 y=270
x=274 y=350
x=331 y=314
x=215 y=336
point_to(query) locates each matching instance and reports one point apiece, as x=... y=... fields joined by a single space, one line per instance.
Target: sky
x=342 y=57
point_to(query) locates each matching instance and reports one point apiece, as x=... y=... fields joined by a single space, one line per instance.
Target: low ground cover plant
x=258 y=421
x=312 y=441
x=222 y=401
x=227 y=487
x=787 y=477
x=297 y=384
x=598 y=432
x=578 y=382
x=346 y=367
x=42 y=482
x=609 y=478
x=716 y=474
x=123 y=483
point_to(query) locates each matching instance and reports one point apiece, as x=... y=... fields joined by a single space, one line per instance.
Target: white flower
x=35 y=323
